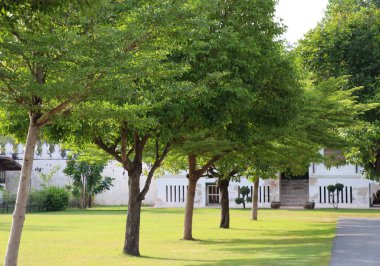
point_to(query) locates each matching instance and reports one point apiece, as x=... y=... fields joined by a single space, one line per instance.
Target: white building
x=170 y=190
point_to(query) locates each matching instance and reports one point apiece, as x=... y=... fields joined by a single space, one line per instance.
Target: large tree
x=151 y=104
x=250 y=86
x=52 y=57
x=346 y=43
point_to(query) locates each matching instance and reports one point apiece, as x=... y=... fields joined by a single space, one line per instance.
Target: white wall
x=320 y=176
x=178 y=186
x=45 y=162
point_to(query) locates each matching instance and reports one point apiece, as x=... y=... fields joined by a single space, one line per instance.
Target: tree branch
x=123 y=143
x=62 y=106
x=156 y=165
x=99 y=142
x=209 y=164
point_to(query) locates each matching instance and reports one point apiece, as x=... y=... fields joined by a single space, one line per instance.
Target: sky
x=300 y=16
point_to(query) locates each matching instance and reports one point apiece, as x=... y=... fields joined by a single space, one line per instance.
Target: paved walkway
x=357 y=243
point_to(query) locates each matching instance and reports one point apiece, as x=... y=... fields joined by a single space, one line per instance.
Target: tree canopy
x=346 y=43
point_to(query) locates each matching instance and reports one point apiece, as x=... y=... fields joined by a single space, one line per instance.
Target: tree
x=243 y=197
x=138 y=125
x=331 y=189
x=52 y=57
x=87 y=178
x=326 y=109
x=249 y=85
x=346 y=43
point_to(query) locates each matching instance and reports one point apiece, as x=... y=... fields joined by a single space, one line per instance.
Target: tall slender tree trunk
x=84 y=200
x=22 y=195
x=224 y=203
x=132 y=233
x=188 y=226
x=255 y=199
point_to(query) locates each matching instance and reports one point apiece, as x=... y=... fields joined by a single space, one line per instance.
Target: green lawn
x=95 y=237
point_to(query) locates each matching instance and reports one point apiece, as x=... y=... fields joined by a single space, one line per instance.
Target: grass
x=95 y=237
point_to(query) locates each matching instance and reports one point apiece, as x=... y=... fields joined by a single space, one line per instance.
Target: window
x=212 y=194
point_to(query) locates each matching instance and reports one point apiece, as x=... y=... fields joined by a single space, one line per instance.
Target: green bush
x=331 y=188
x=50 y=198
x=249 y=199
x=239 y=200
x=244 y=191
x=56 y=198
x=37 y=198
x=339 y=187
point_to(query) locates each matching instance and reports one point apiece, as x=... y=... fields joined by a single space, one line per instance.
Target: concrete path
x=357 y=243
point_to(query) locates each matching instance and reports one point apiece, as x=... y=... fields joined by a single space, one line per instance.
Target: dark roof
x=8 y=164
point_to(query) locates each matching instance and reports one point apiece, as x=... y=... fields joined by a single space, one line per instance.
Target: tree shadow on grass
x=288 y=251
x=174 y=259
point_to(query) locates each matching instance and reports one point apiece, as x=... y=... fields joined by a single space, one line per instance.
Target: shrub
x=331 y=188
x=339 y=187
x=50 y=198
x=37 y=198
x=244 y=192
x=239 y=200
x=56 y=198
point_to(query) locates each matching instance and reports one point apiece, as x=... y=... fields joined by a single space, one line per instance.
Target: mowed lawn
x=95 y=237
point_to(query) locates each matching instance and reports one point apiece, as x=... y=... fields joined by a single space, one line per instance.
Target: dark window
x=167 y=199
x=213 y=194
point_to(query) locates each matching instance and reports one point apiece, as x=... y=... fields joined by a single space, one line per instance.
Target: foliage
x=47 y=65
x=87 y=179
x=338 y=187
x=346 y=43
x=51 y=198
x=46 y=177
x=56 y=198
x=331 y=188
x=243 y=197
x=239 y=201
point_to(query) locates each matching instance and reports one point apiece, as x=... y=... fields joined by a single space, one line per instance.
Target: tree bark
x=22 y=195
x=132 y=233
x=377 y=164
x=84 y=198
x=224 y=203
x=89 y=201
x=255 y=199
x=188 y=226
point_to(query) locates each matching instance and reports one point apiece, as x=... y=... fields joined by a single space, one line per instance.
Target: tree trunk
x=84 y=198
x=22 y=196
x=89 y=201
x=188 y=226
x=255 y=199
x=224 y=203
x=132 y=233
x=377 y=164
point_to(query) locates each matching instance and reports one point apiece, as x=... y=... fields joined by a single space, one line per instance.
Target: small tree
x=87 y=179
x=46 y=177
x=243 y=197
x=338 y=187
